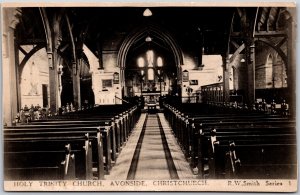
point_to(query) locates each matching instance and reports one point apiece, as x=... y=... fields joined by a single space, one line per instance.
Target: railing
x=122 y=99
x=191 y=99
x=212 y=93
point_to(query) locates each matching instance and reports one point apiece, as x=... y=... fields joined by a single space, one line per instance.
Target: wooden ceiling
x=193 y=28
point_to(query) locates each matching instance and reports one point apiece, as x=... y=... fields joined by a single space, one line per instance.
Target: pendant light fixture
x=147 y=13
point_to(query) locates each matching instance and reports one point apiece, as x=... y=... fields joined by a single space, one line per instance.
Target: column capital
x=14 y=17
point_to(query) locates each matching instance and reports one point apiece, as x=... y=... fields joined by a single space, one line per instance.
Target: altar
x=151 y=100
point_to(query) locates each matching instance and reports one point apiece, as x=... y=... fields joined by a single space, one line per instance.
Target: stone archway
x=143 y=32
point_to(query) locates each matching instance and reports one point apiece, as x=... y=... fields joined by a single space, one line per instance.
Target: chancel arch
x=152 y=67
x=160 y=36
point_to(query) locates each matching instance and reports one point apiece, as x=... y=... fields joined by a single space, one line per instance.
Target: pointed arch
x=28 y=56
x=276 y=48
x=139 y=34
x=47 y=29
x=269 y=71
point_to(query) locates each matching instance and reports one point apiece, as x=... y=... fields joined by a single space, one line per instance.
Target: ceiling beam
x=281 y=42
x=266 y=24
x=227 y=50
x=240 y=12
x=47 y=29
x=236 y=34
x=237 y=52
x=259 y=15
x=32 y=42
x=275 y=25
x=270 y=34
x=22 y=50
x=234 y=44
x=72 y=44
x=255 y=21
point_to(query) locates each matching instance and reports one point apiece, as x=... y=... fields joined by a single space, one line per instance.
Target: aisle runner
x=152 y=162
x=182 y=166
x=121 y=168
x=157 y=156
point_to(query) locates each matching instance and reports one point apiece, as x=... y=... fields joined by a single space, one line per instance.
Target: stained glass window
x=159 y=62
x=141 y=62
x=150 y=74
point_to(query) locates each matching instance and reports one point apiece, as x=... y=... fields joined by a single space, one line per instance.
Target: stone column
x=19 y=102
x=226 y=75
x=53 y=83
x=12 y=74
x=53 y=61
x=250 y=65
x=291 y=67
x=10 y=77
x=76 y=86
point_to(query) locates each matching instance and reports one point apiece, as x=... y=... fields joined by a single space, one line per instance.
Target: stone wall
x=278 y=70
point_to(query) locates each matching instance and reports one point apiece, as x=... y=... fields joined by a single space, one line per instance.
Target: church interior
x=135 y=93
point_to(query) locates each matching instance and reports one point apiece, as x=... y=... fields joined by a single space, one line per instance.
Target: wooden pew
x=81 y=149
x=37 y=164
x=64 y=134
x=69 y=129
x=253 y=136
x=184 y=128
x=193 y=132
x=120 y=128
x=256 y=161
x=245 y=138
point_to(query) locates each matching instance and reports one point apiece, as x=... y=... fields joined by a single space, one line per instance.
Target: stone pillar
x=10 y=77
x=76 y=86
x=250 y=65
x=53 y=83
x=53 y=62
x=226 y=75
x=291 y=67
x=19 y=102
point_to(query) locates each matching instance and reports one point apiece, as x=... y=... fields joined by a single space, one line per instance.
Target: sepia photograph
x=149 y=97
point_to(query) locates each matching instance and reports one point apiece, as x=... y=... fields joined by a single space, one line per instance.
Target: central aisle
x=152 y=161
x=151 y=153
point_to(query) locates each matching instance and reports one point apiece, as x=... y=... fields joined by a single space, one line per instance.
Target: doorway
x=45 y=95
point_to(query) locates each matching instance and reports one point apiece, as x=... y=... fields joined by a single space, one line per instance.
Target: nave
x=141 y=93
x=178 y=142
